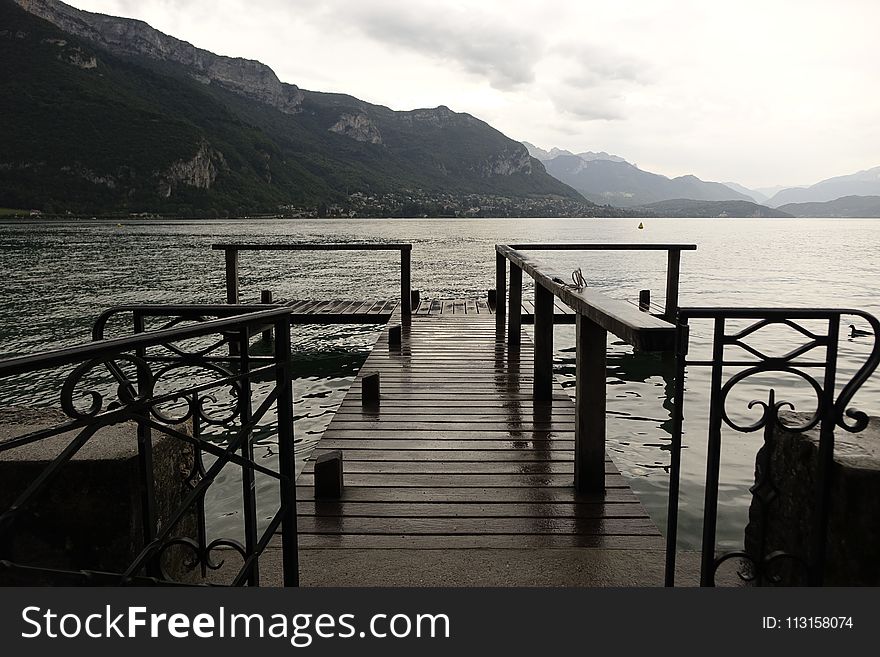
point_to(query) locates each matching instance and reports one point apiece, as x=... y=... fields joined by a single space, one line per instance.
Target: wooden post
x=542 y=388
x=266 y=297
x=231 y=275
x=514 y=313
x=500 y=291
x=329 y=476
x=673 y=268
x=645 y=300
x=415 y=297
x=395 y=337
x=589 y=428
x=370 y=390
x=405 y=283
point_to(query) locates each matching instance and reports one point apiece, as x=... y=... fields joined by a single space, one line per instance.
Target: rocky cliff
x=126 y=36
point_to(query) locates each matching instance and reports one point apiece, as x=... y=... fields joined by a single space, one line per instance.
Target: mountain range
x=847 y=206
x=610 y=180
x=107 y=114
x=863 y=183
x=103 y=113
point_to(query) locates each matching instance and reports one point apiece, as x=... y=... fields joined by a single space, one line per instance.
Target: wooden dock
x=458 y=455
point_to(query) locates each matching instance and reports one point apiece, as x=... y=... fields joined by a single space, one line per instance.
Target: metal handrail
x=136 y=400
x=231 y=251
x=103 y=348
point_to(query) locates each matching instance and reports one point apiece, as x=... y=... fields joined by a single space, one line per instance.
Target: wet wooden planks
x=342 y=311
x=445 y=307
x=458 y=455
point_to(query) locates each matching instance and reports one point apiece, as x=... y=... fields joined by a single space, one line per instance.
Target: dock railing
x=177 y=383
x=232 y=250
x=597 y=315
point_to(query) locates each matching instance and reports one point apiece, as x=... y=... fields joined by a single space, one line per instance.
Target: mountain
x=848 y=206
x=102 y=113
x=756 y=195
x=625 y=185
x=692 y=208
x=589 y=156
x=863 y=183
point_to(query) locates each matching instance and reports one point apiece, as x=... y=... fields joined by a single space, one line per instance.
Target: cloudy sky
x=760 y=92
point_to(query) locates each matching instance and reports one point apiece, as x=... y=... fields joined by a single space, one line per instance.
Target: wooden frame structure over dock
x=463 y=439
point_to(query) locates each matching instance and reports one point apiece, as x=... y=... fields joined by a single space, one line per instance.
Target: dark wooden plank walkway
x=368 y=311
x=458 y=455
x=341 y=311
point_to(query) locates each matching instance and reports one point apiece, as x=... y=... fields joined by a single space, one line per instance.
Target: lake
x=57 y=277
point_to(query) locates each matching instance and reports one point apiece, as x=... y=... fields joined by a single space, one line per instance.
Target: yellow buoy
x=641 y=226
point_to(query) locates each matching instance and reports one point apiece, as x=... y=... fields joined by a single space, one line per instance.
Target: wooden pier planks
x=458 y=455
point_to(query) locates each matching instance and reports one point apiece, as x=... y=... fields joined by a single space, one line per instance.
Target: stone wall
x=89 y=516
x=853 y=542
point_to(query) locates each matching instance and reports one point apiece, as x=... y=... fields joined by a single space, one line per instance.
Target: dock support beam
x=266 y=298
x=514 y=313
x=231 y=276
x=589 y=428
x=500 y=292
x=405 y=284
x=673 y=269
x=543 y=384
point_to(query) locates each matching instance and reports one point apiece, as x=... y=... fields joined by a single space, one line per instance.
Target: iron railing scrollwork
x=815 y=364
x=189 y=381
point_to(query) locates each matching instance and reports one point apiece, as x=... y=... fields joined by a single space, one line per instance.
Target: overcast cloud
x=758 y=92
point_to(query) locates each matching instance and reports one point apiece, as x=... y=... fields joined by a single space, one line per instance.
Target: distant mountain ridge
x=105 y=113
x=610 y=180
x=862 y=183
x=692 y=208
x=848 y=206
x=589 y=156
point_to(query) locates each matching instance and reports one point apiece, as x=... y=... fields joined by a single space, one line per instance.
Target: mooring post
x=589 y=428
x=405 y=283
x=514 y=312
x=395 y=337
x=231 y=275
x=500 y=292
x=542 y=388
x=329 y=481
x=370 y=390
x=645 y=300
x=673 y=269
x=266 y=298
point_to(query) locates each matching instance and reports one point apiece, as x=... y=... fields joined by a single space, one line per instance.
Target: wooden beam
x=514 y=315
x=500 y=291
x=542 y=386
x=405 y=285
x=626 y=321
x=673 y=269
x=231 y=275
x=589 y=428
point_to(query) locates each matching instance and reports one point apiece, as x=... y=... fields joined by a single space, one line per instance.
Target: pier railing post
x=266 y=298
x=589 y=428
x=500 y=291
x=673 y=269
x=542 y=389
x=514 y=312
x=231 y=275
x=286 y=457
x=405 y=282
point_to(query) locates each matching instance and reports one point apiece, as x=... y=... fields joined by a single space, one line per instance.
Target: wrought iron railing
x=735 y=358
x=184 y=383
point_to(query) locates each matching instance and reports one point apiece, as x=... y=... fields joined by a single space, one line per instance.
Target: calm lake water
x=57 y=277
